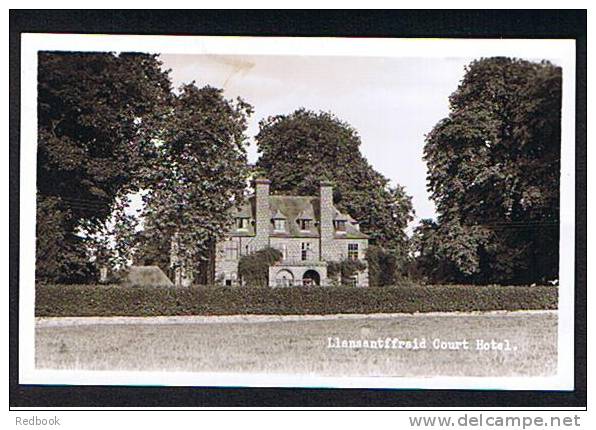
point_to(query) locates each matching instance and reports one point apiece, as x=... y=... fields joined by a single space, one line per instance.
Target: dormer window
x=242 y=224
x=304 y=224
x=304 y=219
x=279 y=224
x=339 y=222
x=340 y=225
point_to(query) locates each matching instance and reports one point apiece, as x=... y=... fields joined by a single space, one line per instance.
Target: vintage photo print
x=297 y=212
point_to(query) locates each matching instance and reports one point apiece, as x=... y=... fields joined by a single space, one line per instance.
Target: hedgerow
x=114 y=300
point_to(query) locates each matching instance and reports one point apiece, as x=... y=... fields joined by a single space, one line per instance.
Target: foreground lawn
x=303 y=346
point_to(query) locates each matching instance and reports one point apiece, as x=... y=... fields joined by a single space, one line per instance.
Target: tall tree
x=297 y=150
x=197 y=172
x=493 y=172
x=96 y=112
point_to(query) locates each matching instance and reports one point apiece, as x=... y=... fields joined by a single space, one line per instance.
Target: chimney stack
x=326 y=221
x=262 y=213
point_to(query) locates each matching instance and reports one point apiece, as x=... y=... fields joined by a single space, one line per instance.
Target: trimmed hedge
x=95 y=300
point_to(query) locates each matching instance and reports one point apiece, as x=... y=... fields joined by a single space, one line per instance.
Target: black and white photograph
x=297 y=212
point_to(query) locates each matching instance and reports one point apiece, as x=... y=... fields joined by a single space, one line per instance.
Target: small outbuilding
x=146 y=276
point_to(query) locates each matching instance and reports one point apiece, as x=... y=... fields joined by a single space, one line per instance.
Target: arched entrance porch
x=284 y=278
x=310 y=278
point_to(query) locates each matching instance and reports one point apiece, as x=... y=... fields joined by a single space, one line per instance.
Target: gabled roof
x=338 y=216
x=307 y=213
x=292 y=209
x=278 y=215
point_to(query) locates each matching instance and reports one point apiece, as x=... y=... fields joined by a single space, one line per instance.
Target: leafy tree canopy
x=300 y=149
x=384 y=268
x=197 y=172
x=96 y=113
x=493 y=172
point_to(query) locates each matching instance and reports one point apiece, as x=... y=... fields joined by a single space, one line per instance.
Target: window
x=231 y=251
x=279 y=224
x=352 y=251
x=242 y=223
x=304 y=224
x=340 y=225
x=305 y=251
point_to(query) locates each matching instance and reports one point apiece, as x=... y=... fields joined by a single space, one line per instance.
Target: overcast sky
x=391 y=102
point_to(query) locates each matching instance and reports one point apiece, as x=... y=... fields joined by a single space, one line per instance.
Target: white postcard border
x=563 y=51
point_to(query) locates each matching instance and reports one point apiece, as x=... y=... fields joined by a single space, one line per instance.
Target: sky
x=391 y=102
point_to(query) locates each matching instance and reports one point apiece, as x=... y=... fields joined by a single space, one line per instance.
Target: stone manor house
x=308 y=231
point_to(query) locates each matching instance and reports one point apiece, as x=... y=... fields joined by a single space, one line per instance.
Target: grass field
x=302 y=346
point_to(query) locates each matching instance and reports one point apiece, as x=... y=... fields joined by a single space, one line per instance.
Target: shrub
x=344 y=270
x=253 y=269
x=115 y=300
x=387 y=267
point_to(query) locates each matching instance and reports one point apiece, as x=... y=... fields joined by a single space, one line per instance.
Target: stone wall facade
x=305 y=254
